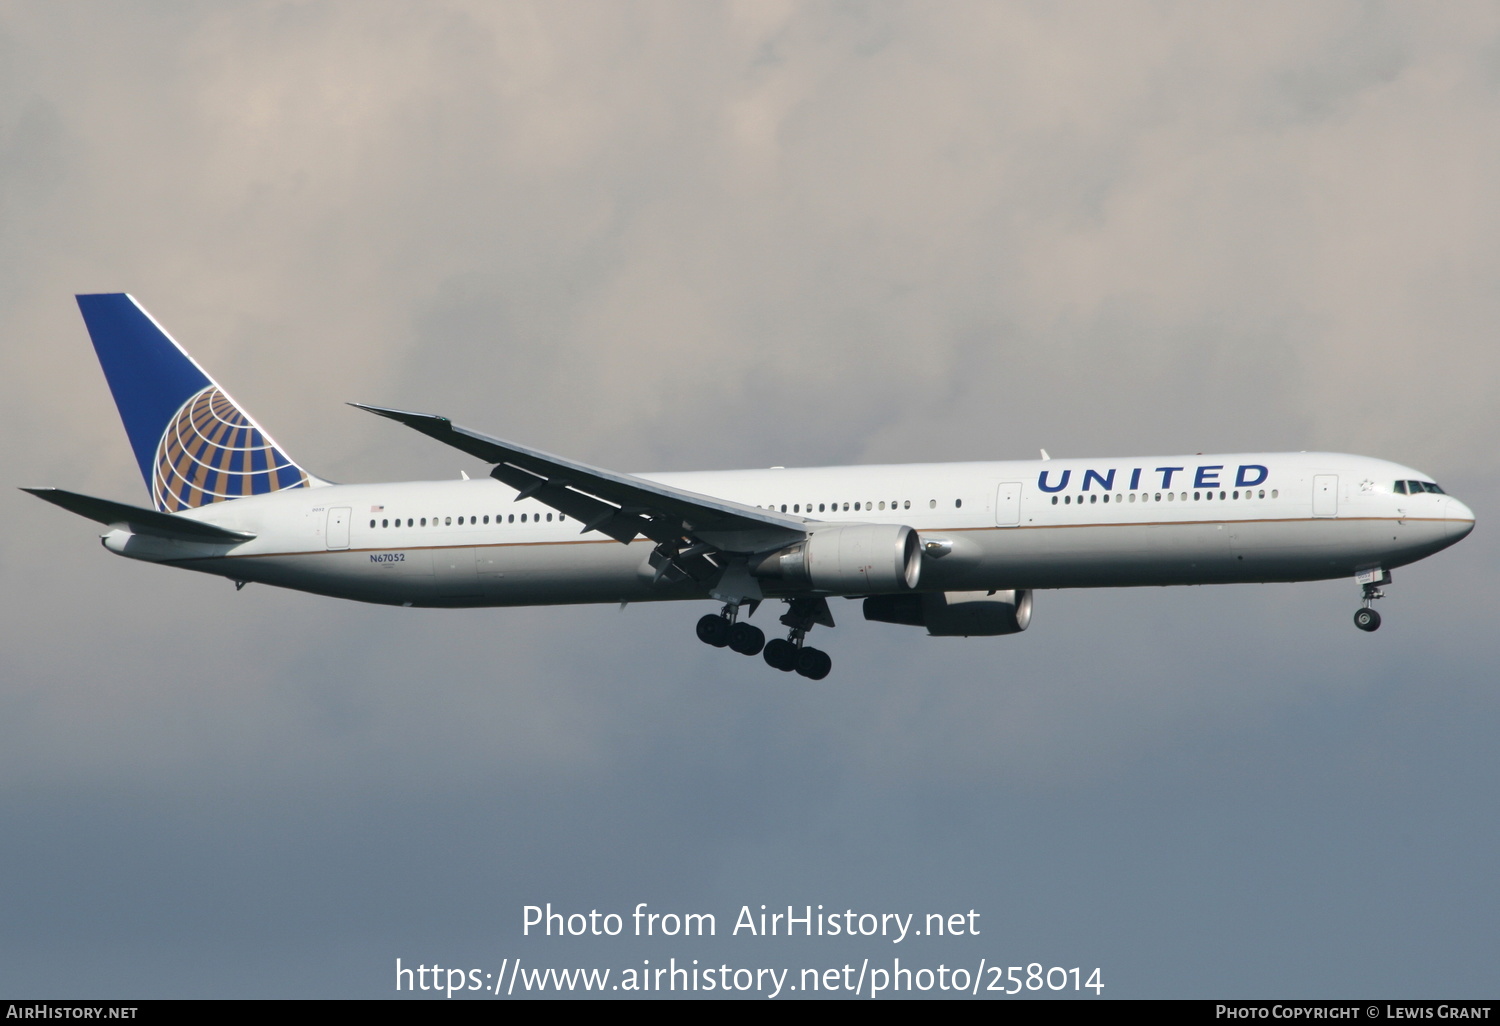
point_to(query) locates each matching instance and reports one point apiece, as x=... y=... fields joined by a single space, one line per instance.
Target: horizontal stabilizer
x=141 y=521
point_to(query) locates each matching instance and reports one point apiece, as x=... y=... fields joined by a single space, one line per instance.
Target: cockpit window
x=1417 y=488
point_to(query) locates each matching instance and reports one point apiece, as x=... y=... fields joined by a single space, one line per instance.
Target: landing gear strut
x=1365 y=618
x=790 y=653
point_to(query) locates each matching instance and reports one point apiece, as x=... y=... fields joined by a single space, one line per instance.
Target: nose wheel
x=1365 y=618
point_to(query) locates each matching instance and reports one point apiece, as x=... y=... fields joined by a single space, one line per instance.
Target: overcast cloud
x=693 y=236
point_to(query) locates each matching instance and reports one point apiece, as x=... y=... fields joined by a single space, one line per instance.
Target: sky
x=682 y=236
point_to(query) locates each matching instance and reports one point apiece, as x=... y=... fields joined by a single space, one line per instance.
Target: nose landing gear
x=1365 y=618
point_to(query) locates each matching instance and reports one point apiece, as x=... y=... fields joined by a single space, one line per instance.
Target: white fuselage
x=1201 y=519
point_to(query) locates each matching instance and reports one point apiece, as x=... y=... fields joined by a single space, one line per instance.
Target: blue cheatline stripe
x=149 y=375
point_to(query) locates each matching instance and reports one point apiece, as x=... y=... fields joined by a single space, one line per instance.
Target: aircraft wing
x=619 y=505
x=139 y=520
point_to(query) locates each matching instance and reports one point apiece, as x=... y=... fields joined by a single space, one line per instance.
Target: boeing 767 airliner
x=958 y=548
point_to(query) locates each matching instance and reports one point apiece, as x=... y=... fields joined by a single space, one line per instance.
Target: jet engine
x=856 y=559
x=955 y=614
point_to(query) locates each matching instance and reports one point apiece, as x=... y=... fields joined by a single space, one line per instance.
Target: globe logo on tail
x=212 y=451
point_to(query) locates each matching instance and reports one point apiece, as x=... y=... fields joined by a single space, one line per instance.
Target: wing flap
x=140 y=520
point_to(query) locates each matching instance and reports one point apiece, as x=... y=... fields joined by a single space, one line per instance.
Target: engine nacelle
x=955 y=614
x=853 y=560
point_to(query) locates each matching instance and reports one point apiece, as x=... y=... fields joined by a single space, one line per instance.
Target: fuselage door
x=1325 y=495
x=1008 y=504
x=338 y=527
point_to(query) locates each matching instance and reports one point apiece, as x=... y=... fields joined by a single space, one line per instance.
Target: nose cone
x=1460 y=519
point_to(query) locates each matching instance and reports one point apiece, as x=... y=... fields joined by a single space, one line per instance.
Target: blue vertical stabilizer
x=194 y=444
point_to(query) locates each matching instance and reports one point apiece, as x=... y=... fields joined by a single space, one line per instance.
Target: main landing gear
x=725 y=630
x=790 y=653
x=1366 y=619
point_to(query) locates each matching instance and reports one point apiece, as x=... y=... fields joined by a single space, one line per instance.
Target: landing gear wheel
x=813 y=663
x=747 y=639
x=1367 y=620
x=713 y=630
x=780 y=654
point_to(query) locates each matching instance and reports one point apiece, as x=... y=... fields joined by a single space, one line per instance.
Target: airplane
x=957 y=548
